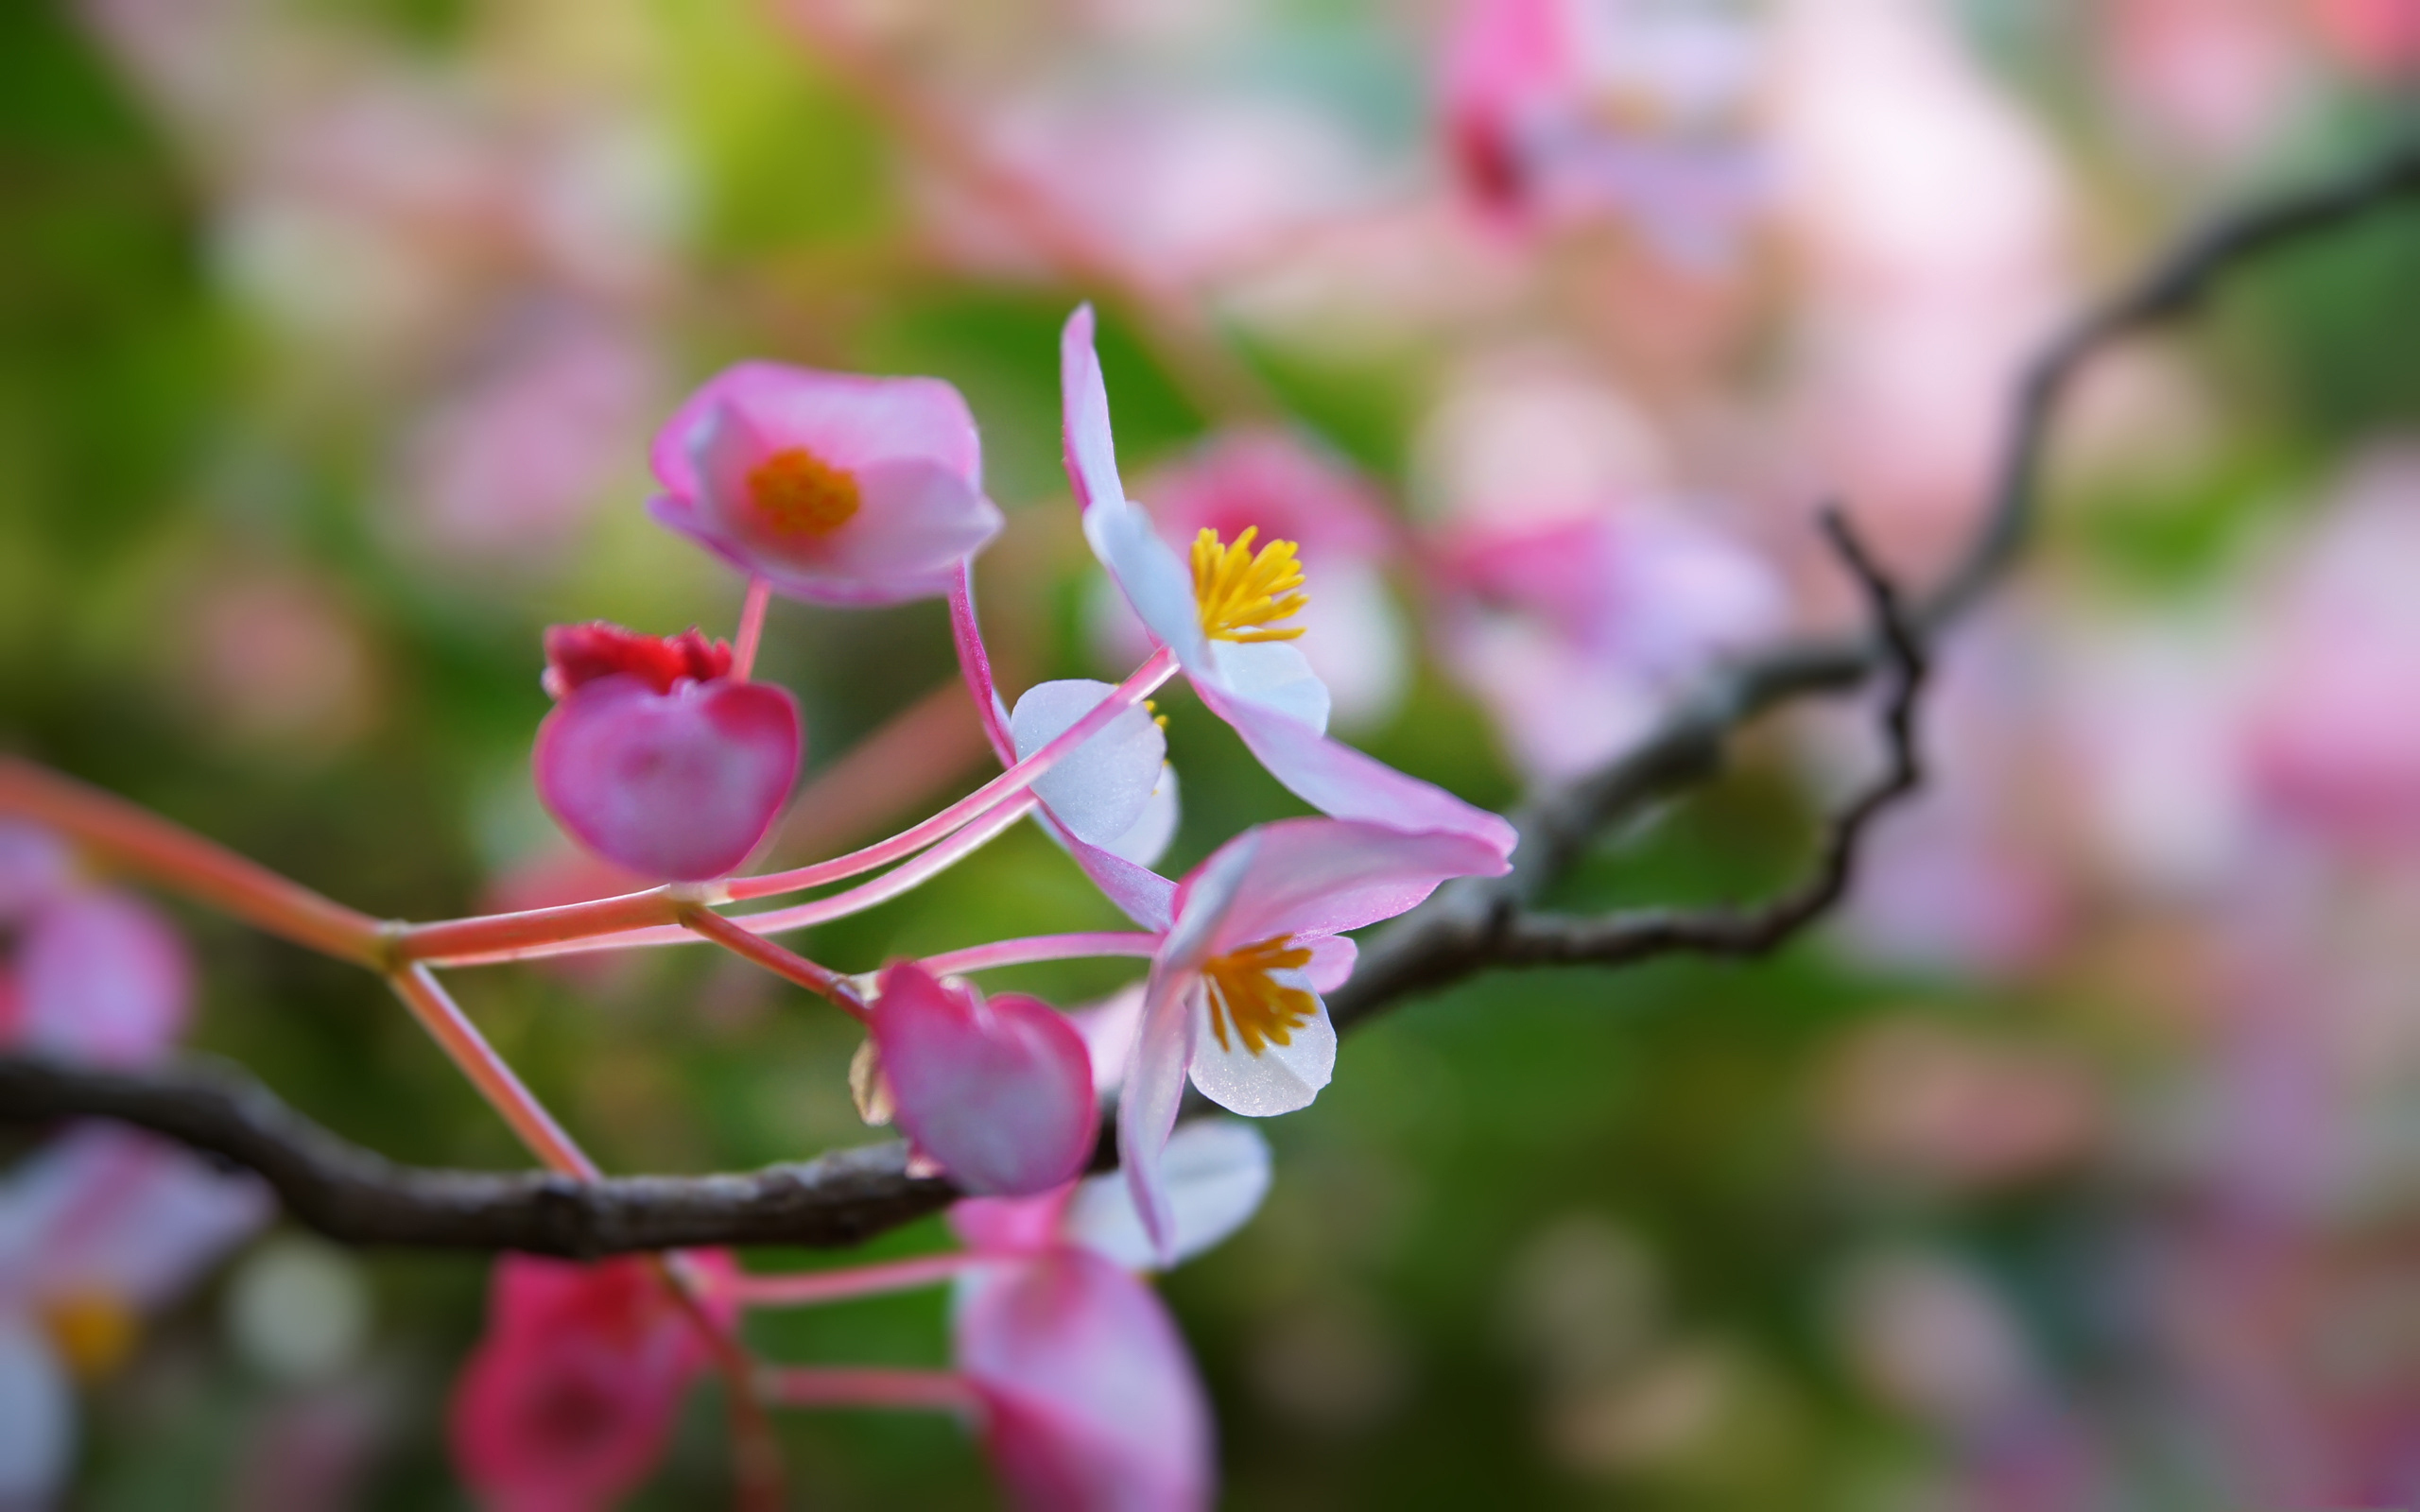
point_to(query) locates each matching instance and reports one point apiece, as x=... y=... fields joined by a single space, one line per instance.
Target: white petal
x=1216 y=1172
x=37 y=1417
x=1279 y=1079
x=1109 y=1028
x=1155 y=581
x=1101 y=788
x=1275 y=675
x=1205 y=898
x=1148 y=838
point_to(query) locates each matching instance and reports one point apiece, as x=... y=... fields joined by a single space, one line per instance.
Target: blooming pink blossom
x=655 y=757
x=834 y=487
x=999 y=1090
x=98 y=1226
x=100 y=976
x=1225 y=619
x=1289 y=488
x=1255 y=936
x=1563 y=109
x=569 y=1401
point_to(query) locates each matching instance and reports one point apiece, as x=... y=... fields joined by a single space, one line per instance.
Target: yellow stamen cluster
x=93 y=1331
x=798 y=493
x=1263 y=1010
x=1243 y=594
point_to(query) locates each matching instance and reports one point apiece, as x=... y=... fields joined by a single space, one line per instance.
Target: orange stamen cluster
x=1241 y=991
x=798 y=493
x=1243 y=594
x=93 y=1331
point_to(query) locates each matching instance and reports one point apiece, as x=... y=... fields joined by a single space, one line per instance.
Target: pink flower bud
x=654 y=758
x=999 y=1089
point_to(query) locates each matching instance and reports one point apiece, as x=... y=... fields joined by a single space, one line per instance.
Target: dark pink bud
x=999 y=1089
x=580 y=654
x=654 y=766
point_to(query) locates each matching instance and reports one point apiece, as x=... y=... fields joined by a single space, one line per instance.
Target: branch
x=358 y=1197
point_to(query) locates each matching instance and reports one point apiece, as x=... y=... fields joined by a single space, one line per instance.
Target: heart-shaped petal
x=999 y=1090
x=680 y=784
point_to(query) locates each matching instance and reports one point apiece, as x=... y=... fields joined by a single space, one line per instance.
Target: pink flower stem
x=169 y=855
x=1041 y=947
x=498 y=937
x=471 y=1053
x=751 y=627
x=857 y=899
x=824 y=1387
x=1139 y=685
x=974 y=664
x=756 y=1453
x=820 y=980
x=812 y=1288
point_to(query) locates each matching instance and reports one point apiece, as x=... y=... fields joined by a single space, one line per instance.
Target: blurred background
x=2075 y=1164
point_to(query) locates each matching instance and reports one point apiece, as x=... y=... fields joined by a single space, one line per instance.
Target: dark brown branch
x=1530 y=939
x=358 y=1197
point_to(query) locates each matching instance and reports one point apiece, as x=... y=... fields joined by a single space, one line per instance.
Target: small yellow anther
x=1243 y=595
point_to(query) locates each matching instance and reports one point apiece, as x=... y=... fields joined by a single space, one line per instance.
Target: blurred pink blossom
x=2380 y=37
x=568 y=1402
x=2216 y=76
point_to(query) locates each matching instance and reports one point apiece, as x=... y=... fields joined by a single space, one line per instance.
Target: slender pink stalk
x=1041 y=947
x=1141 y=684
x=825 y=1386
x=812 y=1288
x=756 y=1453
x=471 y=1053
x=169 y=854
x=857 y=899
x=492 y=937
x=821 y=979
x=974 y=664
x=751 y=627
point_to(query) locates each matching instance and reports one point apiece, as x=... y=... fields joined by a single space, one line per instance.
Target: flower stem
x=1041 y=947
x=1138 y=686
x=169 y=855
x=751 y=627
x=812 y=1288
x=471 y=1053
x=789 y=964
x=825 y=1386
x=974 y=664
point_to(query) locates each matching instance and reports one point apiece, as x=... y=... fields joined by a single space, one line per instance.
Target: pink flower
x=834 y=487
x=655 y=758
x=999 y=1090
x=569 y=1401
x=1234 y=996
x=1574 y=633
x=1268 y=479
x=101 y=977
x=97 y=1228
x=1089 y=1398
x=1225 y=619
x=2380 y=37
x=1566 y=110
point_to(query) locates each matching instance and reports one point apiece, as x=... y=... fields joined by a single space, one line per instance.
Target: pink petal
x=1324 y=876
x=1332 y=959
x=570 y=1400
x=104 y=1208
x=849 y=419
x=999 y=1091
x=1091 y=454
x=1004 y=1225
x=682 y=784
x=1091 y=1401
x=1337 y=779
x=1146 y=1104
x=678 y=515
x=102 y=976
x=1140 y=893
x=34 y=868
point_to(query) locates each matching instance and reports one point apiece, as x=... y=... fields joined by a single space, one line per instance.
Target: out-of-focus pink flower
x=100 y=976
x=655 y=757
x=1559 y=109
x=2380 y=37
x=1225 y=619
x=1090 y=1399
x=1234 y=997
x=507 y=467
x=2335 y=734
x=2215 y=74
x=276 y=660
x=1575 y=632
x=1286 y=489
x=1922 y=1099
x=34 y=868
x=834 y=487
x=569 y=1401
x=999 y=1089
x=96 y=1228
